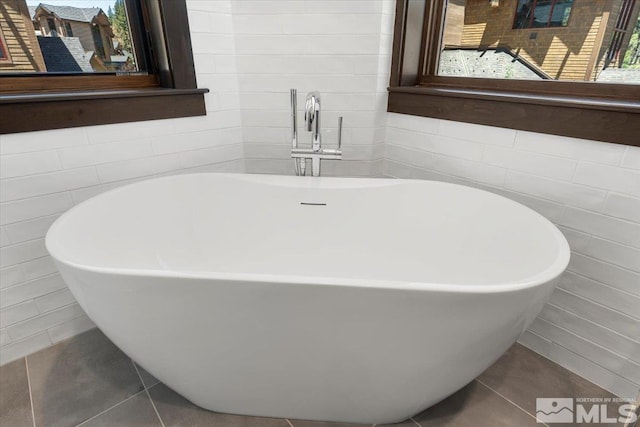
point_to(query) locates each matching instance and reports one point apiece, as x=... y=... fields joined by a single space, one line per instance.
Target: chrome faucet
x=312 y=118
x=316 y=153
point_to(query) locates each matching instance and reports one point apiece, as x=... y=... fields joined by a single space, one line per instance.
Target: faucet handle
x=339 y=132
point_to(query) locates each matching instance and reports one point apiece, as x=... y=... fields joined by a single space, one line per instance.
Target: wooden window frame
x=6 y=59
x=601 y=112
x=63 y=100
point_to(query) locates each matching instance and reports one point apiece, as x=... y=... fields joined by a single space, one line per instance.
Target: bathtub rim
x=552 y=272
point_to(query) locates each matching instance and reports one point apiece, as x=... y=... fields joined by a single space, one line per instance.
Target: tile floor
x=87 y=381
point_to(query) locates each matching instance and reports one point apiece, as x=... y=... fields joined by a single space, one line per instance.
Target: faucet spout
x=312 y=123
x=312 y=119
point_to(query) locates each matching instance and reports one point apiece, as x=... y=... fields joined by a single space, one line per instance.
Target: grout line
x=600 y=282
x=58 y=158
x=599 y=304
x=47 y=328
x=417 y=423
x=512 y=402
x=575 y=171
x=595 y=344
x=108 y=409
x=100 y=181
x=138 y=372
x=584 y=357
x=623 y=157
x=33 y=414
x=38 y=197
x=467 y=181
x=608 y=263
x=40 y=173
x=517 y=191
x=22 y=221
x=591 y=322
x=591 y=299
x=24 y=262
x=607 y=239
x=154 y=408
x=146 y=390
x=46 y=276
x=448 y=156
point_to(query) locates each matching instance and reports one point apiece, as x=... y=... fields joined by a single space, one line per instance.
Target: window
x=4 y=52
x=97 y=41
x=80 y=65
x=51 y=23
x=542 y=13
x=565 y=68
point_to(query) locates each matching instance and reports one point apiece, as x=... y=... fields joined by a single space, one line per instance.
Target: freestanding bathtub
x=338 y=299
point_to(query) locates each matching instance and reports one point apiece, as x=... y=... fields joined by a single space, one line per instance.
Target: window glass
x=542 y=13
x=3 y=48
x=567 y=40
x=68 y=36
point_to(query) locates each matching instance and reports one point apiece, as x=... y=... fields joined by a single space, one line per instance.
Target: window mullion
x=553 y=5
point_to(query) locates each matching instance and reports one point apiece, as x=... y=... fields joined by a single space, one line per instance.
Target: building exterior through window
x=576 y=40
x=64 y=38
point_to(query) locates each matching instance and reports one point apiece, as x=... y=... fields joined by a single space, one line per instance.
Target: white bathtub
x=354 y=300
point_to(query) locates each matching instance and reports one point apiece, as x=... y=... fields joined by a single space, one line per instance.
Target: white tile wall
x=251 y=52
x=42 y=174
x=340 y=48
x=592 y=191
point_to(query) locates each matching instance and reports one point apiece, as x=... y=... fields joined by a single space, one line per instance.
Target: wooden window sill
x=616 y=121
x=24 y=112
